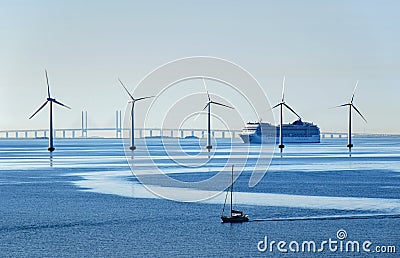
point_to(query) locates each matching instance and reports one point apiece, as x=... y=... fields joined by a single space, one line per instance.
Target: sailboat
x=235 y=215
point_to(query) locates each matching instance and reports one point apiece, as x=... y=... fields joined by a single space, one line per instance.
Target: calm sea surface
x=86 y=201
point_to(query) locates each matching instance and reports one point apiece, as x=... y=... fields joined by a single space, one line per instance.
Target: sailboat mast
x=223 y=208
x=231 y=190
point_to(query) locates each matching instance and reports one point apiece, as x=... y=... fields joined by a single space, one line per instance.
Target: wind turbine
x=282 y=104
x=208 y=105
x=51 y=100
x=133 y=101
x=351 y=105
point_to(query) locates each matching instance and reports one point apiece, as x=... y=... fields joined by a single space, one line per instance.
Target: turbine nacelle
x=287 y=106
x=216 y=103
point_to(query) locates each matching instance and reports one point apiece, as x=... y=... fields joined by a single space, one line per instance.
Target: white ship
x=296 y=132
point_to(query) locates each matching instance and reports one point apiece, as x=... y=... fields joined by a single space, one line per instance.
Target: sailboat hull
x=234 y=219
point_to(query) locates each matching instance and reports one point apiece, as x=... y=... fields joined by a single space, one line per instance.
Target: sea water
x=86 y=200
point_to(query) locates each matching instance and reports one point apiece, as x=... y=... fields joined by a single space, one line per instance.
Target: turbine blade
x=126 y=89
x=144 y=98
x=359 y=113
x=283 y=89
x=343 y=105
x=42 y=106
x=208 y=95
x=354 y=91
x=197 y=116
x=48 y=85
x=216 y=103
x=277 y=105
x=206 y=106
x=291 y=110
x=205 y=87
x=59 y=103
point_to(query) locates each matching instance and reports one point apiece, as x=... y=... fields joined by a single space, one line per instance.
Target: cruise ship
x=296 y=132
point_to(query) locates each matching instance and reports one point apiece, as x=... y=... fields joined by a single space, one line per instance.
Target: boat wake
x=333 y=217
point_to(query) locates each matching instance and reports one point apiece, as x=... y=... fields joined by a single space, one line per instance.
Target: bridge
x=117 y=132
x=114 y=132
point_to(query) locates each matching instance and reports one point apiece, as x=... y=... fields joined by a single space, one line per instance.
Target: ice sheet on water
x=104 y=169
x=111 y=183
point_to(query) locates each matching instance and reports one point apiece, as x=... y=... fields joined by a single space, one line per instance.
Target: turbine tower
x=51 y=100
x=282 y=104
x=133 y=101
x=351 y=106
x=208 y=105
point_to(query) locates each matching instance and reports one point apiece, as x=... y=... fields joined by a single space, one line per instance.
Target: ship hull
x=297 y=132
x=253 y=138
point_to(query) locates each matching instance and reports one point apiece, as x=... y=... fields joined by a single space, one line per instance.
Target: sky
x=321 y=47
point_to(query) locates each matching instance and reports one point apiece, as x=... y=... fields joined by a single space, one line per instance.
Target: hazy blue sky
x=322 y=47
